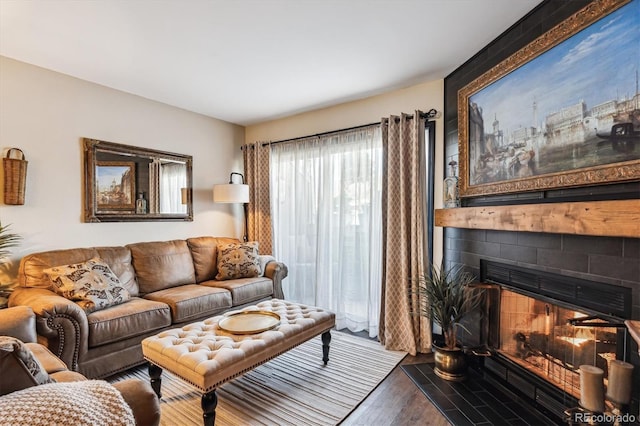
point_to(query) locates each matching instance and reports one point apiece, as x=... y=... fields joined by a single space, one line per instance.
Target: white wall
x=46 y=114
x=422 y=97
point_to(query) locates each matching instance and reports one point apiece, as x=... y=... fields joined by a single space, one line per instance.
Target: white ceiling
x=247 y=61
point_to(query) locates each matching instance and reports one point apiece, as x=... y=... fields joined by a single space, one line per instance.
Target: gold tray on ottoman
x=249 y=322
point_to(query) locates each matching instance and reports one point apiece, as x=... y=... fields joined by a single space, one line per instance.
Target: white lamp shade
x=231 y=193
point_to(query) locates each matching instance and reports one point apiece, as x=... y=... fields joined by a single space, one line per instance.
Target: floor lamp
x=234 y=193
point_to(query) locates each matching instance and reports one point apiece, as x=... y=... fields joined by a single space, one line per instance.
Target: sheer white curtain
x=173 y=177
x=326 y=213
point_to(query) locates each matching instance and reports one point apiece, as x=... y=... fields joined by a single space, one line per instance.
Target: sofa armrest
x=277 y=271
x=18 y=322
x=60 y=323
x=142 y=400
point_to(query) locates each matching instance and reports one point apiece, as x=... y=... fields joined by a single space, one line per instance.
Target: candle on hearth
x=591 y=388
x=620 y=376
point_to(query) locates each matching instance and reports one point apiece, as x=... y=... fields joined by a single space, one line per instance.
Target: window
x=326 y=212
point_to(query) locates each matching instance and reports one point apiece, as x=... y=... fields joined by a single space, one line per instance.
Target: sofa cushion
x=204 y=251
x=244 y=290
x=119 y=260
x=24 y=368
x=91 y=284
x=238 y=260
x=162 y=264
x=67 y=376
x=264 y=259
x=120 y=322
x=49 y=362
x=32 y=266
x=193 y=301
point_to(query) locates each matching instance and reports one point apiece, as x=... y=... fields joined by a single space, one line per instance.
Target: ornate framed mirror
x=125 y=183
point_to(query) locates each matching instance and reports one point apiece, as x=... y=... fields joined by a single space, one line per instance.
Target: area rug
x=294 y=388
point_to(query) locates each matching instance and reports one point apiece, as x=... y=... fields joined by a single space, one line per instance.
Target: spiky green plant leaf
x=446 y=299
x=7 y=241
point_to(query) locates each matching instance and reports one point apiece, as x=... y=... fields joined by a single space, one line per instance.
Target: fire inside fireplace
x=552 y=342
x=537 y=328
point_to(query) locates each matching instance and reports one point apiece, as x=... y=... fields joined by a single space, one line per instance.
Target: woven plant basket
x=15 y=177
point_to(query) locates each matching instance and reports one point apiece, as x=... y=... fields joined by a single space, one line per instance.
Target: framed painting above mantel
x=563 y=111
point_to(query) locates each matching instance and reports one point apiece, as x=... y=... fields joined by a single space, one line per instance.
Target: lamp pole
x=246 y=222
x=245 y=206
x=234 y=193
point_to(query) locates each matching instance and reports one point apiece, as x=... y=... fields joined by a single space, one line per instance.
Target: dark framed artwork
x=115 y=173
x=563 y=111
x=115 y=185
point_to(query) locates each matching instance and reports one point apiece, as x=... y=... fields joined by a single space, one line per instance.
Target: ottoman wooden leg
x=156 y=381
x=208 y=403
x=326 y=339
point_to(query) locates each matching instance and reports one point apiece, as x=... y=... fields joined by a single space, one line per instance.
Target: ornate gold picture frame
x=114 y=174
x=563 y=111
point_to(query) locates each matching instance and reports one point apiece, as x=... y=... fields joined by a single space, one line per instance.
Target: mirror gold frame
x=125 y=183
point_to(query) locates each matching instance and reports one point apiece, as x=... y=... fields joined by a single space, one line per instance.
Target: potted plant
x=445 y=298
x=7 y=240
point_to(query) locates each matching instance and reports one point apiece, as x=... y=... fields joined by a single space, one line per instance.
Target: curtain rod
x=321 y=134
x=432 y=113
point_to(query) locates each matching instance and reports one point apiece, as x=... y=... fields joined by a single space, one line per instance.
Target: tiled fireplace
x=539 y=327
x=611 y=259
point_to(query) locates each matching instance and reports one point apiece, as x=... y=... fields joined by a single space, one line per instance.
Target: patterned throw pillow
x=238 y=260
x=26 y=369
x=91 y=284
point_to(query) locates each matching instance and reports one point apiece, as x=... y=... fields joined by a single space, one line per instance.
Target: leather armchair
x=20 y=322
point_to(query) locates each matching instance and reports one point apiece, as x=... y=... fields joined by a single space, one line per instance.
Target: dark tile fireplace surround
x=609 y=267
x=612 y=261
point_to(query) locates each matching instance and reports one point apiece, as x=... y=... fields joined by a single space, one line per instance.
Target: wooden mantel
x=618 y=218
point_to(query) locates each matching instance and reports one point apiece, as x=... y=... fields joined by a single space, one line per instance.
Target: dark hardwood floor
x=397 y=401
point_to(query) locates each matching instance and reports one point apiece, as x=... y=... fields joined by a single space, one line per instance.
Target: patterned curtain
x=256 y=173
x=403 y=239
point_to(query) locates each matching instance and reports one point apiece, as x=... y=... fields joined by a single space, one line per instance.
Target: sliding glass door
x=326 y=213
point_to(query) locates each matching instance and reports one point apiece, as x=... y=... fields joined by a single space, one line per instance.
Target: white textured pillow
x=86 y=402
x=91 y=284
x=238 y=260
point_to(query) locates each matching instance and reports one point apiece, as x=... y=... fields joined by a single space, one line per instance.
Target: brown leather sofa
x=172 y=283
x=20 y=322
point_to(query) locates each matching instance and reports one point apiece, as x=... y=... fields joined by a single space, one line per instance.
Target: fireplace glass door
x=552 y=341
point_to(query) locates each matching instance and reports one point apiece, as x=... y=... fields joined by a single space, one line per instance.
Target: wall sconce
x=234 y=193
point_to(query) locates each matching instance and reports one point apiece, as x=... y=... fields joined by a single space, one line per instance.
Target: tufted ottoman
x=206 y=356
